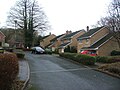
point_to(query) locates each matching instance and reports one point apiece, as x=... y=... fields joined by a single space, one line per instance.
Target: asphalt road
x=49 y=72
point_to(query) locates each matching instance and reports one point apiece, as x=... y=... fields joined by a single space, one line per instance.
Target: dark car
x=38 y=50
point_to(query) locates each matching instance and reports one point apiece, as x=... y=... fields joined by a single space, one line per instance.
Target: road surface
x=49 y=72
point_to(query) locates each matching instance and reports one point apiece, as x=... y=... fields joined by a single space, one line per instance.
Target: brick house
x=16 y=39
x=45 y=41
x=2 y=39
x=55 y=42
x=70 y=40
x=97 y=40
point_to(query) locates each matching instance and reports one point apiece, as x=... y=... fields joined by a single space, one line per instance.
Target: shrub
x=109 y=59
x=68 y=55
x=8 y=70
x=1 y=50
x=56 y=51
x=114 y=59
x=48 y=51
x=85 y=59
x=20 y=55
x=67 y=49
x=102 y=59
x=115 y=53
x=73 y=49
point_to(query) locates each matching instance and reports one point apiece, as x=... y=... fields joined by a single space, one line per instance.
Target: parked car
x=38 y=50
x=89 y=52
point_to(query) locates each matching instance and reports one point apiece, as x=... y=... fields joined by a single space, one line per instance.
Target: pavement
x=24 y=72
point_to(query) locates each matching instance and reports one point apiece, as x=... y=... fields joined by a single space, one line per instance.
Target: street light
x=15 y=30
x=15 y=23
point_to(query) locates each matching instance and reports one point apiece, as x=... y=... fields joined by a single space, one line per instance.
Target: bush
x=70 y=49
x=115 y=53
x=84 y=59
x=8 y=70
x=19 y=53
x=109 y=59
x=1 y=50
x=102 y=59
x=114 y=59
x=56 y=51
x=48 y=51
x=67 y=49
x=68 y=55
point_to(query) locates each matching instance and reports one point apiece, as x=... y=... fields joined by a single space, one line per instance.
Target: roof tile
x=90 y=32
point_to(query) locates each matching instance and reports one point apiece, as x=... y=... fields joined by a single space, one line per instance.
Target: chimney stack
x=68 y=32
x=87 y=28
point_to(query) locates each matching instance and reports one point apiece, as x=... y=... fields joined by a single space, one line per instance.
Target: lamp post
x=15 y=30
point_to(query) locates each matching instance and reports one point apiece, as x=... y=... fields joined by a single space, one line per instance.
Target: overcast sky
x=65 y=14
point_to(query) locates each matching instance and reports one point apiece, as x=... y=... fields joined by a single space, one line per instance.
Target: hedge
x=115 y=53
x=108 y=59
x=1 y=50
x=19 y=53
x=84 y=59
x=8 y=70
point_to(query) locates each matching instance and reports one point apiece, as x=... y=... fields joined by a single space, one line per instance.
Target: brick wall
x=98 y=35
x=107 y=48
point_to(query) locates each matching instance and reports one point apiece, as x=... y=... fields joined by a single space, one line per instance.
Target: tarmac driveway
x=49 y=72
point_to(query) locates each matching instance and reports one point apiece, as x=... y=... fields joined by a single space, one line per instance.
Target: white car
x=38 y=50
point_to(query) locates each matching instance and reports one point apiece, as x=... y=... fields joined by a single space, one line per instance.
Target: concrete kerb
x=28 y=77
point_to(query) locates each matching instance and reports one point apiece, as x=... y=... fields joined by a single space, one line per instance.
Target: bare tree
x=112 y=20
x=29 y=16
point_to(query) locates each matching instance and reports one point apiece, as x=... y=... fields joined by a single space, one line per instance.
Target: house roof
x=100 y=42
x=64 y=44
x=45 y=36
x=71 y=34
x=90 y=33
x=57 y=37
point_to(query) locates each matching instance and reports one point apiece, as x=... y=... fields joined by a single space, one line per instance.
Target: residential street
x=49 y=72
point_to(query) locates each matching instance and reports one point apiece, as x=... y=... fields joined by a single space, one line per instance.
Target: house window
x=80 y=41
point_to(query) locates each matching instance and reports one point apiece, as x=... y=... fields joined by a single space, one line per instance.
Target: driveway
x=49 y=72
